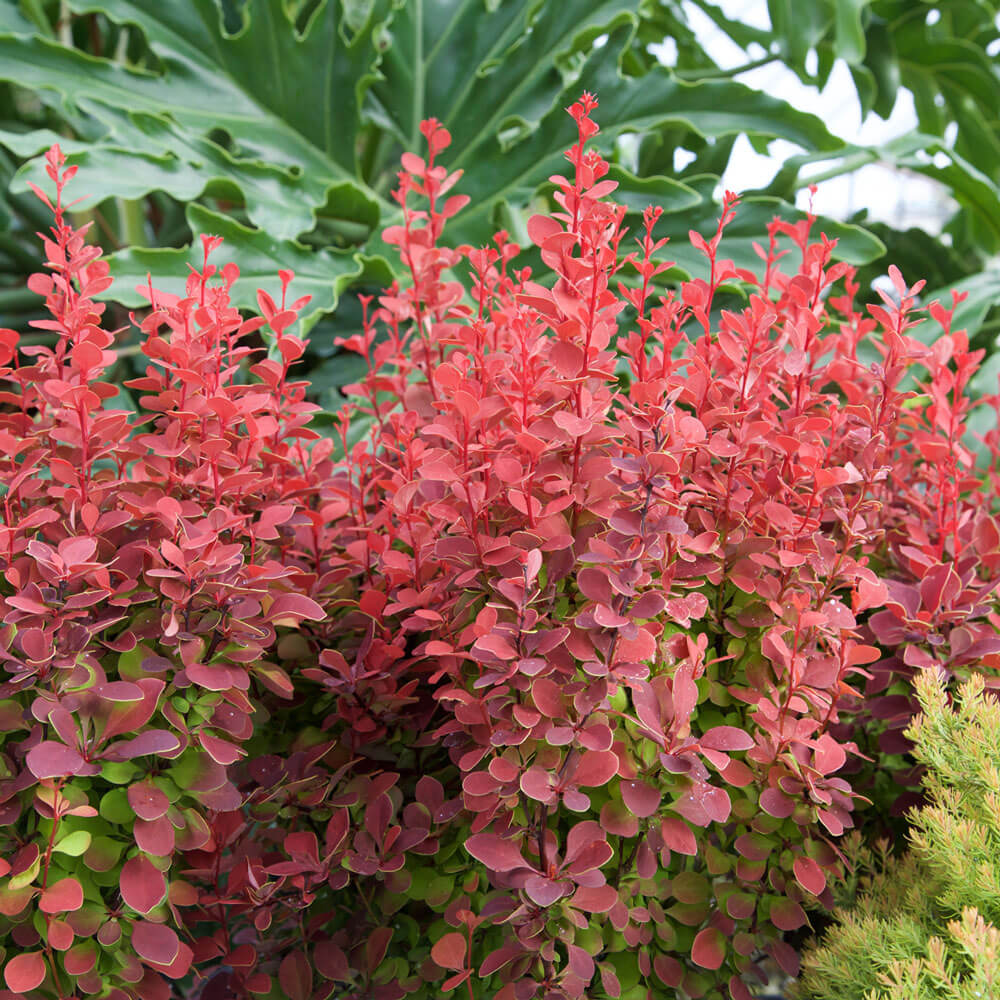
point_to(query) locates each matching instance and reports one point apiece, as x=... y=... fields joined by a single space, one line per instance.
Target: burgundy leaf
x=142 y=884
x=295 y=976
x=155 y=942
x=53 y=760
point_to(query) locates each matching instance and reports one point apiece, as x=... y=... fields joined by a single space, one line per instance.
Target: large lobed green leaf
x=290 y=131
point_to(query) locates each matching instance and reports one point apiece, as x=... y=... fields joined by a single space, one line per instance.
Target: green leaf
x=74 y=844
x=153 y=153
x=324 y=274
x=290 y=103
x=850 y=32
x=275 y=132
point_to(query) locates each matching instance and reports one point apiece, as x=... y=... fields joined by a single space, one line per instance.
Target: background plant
x=924 y=925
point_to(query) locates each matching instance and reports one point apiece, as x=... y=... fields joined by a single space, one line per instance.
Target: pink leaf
x=598 y=899
x=543 y=891
x=63 y=897
x=776 y=803
x=155 y=836
x=25 y=972
x=497 y=854
x=642 y=800
x=809 y=875
x=147 y=801
x=153 y=741
x=596 y=768
x=678 y=836
x=727 y=738
x=290 y=609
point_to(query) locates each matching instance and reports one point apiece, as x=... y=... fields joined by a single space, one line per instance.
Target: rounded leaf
x=709 y=948
x=155 y=942
x=497 y=854
x=596 y=768
x=776 y=804
x=727 y=738
x=787 y=915
x=142 y=884
x=64 y=896
x=147 y=801
x=449 y=951
x=25 y=972
x=809 y=875
x=641 y=799
x=331 y=962
x=295 y=976
x=49 y=759
x=678 y=836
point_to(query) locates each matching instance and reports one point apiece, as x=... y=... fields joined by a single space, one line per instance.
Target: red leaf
x=642 y=800
x=709 y=948
x=155 y=942
x=63 y=897
x=142 y=884
x=596 y=768
x=290 y=609
x=53 y=760
x=25 y=972
x=449 y=951
x=497 y=854
x=452 y=981
x=295 y=976
x=809 y=875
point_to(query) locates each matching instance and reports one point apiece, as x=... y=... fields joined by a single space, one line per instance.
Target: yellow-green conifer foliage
x=925 y=926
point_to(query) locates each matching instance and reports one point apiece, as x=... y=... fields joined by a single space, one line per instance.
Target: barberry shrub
x=143 y=583
x=630 y=544
x=538 y=681
x=925 y=926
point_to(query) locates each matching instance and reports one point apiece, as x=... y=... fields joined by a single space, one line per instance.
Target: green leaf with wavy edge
x=289 y=101
x=323 y=274
x=152 y=153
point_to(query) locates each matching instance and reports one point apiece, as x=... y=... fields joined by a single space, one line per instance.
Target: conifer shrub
x=926 y=926
x=539 y=679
